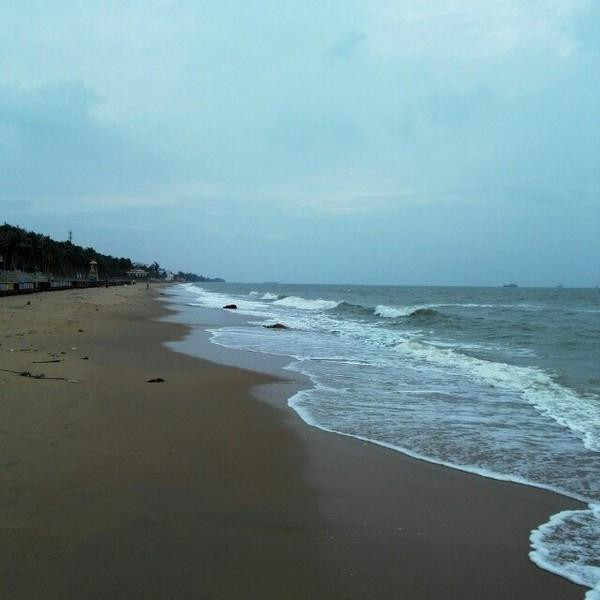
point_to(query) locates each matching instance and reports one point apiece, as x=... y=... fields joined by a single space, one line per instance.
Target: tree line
x=34 y=252
x=182 y=276
x=155 y=271
x=22 y=250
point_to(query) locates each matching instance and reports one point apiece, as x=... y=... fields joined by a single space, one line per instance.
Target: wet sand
x=207 y=486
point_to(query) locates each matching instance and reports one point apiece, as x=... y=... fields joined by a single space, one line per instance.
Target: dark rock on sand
x=230 y=306
x=156 y=380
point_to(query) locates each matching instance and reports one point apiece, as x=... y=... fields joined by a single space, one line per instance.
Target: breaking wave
x=411 y=312
x=304 y=304
x=269 y=296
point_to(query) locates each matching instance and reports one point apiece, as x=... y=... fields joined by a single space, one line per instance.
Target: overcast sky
x=371 y=141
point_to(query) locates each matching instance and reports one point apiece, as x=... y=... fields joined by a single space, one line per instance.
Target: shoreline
x=198 y=342
x=193 y=488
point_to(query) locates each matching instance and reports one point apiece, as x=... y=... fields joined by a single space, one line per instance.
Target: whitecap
x=269 y=296
x=305 y=304
x=393 y=312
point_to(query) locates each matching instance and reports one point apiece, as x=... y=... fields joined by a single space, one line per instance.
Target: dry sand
x=115 y=488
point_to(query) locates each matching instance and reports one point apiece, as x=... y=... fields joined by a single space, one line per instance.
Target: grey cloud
x=55 y=144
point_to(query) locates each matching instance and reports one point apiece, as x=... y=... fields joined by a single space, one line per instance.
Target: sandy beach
x=198 y=487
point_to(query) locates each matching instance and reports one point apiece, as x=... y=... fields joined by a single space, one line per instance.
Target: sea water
x=502 y=382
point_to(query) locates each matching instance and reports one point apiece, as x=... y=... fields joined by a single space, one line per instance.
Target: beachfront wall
x=6 y=287
x=11 y=288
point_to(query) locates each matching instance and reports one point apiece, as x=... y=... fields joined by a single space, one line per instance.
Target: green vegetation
x=29 y=251
x=33 y=252
x=193 y=277
x=155 y=271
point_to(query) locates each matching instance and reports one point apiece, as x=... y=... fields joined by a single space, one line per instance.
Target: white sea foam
x=304 y=406
x=569 y=545
x=269 y=296
x=581 y=414
x=463 y=345
x=218 y=300
x=305 y=304
x=394 y=312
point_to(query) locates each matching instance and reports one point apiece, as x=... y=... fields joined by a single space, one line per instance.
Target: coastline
x=193 y=488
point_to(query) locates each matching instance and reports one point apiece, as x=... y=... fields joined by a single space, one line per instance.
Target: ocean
x=501 y=382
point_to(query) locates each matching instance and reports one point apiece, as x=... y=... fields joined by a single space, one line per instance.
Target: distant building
x=137 y=274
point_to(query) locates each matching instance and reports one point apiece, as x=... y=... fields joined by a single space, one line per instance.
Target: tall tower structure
x=93 y=271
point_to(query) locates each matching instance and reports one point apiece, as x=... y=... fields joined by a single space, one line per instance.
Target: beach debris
x=32 y=376
x=28 y=374
x=80 y=331
x=231 y=306
x=155 y=380
x=38 y=362
x=72 y=381
x=73 y=348
x=85 y=358
x=28 y=303
x=276 y=326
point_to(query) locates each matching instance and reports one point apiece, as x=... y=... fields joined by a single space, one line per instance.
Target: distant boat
x=510 y=285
